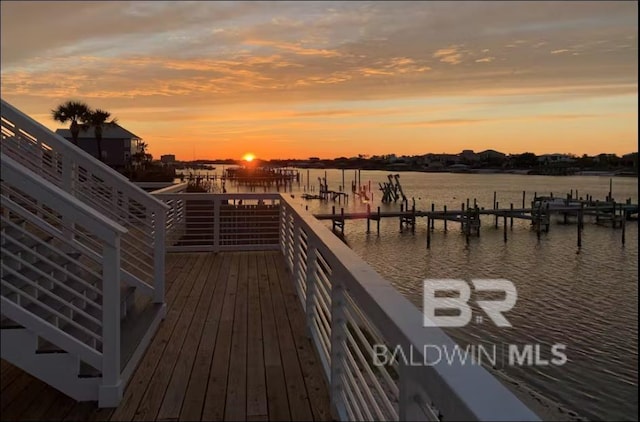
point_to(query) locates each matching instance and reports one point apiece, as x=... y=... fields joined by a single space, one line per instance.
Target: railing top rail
x=12 y=114
x=222 y=196
x=178 y=187
x=107 y=227
x=480 y=394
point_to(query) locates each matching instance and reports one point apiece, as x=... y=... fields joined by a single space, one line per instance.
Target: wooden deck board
x=257 y=407
x=278 y=401
x=155 y=394
x=174 y=396
x=197 y=388
x=235 y=407
x=298 y=401
x=233 y=346
x=214 y=403
x=147 y=367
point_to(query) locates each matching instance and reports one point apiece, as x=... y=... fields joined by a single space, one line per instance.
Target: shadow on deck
x=232 y=347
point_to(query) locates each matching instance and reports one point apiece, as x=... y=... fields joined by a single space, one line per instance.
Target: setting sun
x=248 y=157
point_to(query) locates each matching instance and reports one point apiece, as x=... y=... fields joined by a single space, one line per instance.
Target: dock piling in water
x=504 y=222
x=445 y=218
x=538 y=214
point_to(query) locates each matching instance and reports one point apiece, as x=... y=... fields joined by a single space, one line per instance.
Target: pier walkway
x=232 y=347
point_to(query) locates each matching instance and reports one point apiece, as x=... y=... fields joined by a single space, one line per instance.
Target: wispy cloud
x=450 y=55
x=485 y=60
x=445 y=122
x=296 y=48
x=560 y=51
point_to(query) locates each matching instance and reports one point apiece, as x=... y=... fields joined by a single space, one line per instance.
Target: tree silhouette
x=75 y=112
x=98 y=119
x=139 y=158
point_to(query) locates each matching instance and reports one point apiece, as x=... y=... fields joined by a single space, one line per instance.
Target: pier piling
x=511 y=223
x=413 y=217
x=580 y=217
x=445 y=218
x=433 y=208
x=504 y=222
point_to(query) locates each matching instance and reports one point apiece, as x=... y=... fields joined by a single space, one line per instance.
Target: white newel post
x=216 y=224
x=338 y=341
x=110 y=391
x=159 y=255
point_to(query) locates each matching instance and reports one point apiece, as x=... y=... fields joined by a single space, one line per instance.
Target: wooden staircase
x=81 y=289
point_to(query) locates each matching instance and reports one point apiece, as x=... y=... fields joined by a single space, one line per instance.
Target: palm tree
x=73 y=111
x=98 y=119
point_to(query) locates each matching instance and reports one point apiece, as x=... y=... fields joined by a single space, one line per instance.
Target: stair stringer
x=60 y=370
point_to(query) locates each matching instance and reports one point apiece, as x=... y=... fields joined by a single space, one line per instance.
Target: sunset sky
x=329 y=79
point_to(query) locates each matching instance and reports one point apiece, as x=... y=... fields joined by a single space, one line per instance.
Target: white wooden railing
x=75 y=303
x=97 y=185
x=220 y=222
x=350 y=310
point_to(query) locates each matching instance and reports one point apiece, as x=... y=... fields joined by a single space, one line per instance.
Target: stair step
x=10 y=230
x=126 y=295
x=44 y=346
x=57 y=303
x=43 y=266
x=31 y=245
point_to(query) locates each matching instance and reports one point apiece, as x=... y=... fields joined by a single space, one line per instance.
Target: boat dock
x=607 y=212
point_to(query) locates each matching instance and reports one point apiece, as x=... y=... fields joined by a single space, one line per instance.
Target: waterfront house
x=555 y=158
x=118 y=144
x=467 y=156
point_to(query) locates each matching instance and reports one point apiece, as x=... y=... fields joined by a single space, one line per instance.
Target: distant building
x=555 y=158
x=469 y=156
x=604 y=157
x=440 y=160
x=168 y=158
x=491 y=154
x=118 y=144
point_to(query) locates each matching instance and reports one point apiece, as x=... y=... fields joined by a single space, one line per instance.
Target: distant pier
x=606 y=212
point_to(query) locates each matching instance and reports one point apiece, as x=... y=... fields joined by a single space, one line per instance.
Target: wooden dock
x=606 y=212
x=232 y=347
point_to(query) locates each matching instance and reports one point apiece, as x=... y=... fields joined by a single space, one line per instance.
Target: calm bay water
x=586 y=299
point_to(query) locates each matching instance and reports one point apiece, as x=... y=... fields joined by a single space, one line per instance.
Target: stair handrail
x=75 y=173
x=80 y=156
x=109 y=232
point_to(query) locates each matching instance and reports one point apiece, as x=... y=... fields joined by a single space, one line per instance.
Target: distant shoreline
x=524 y=172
